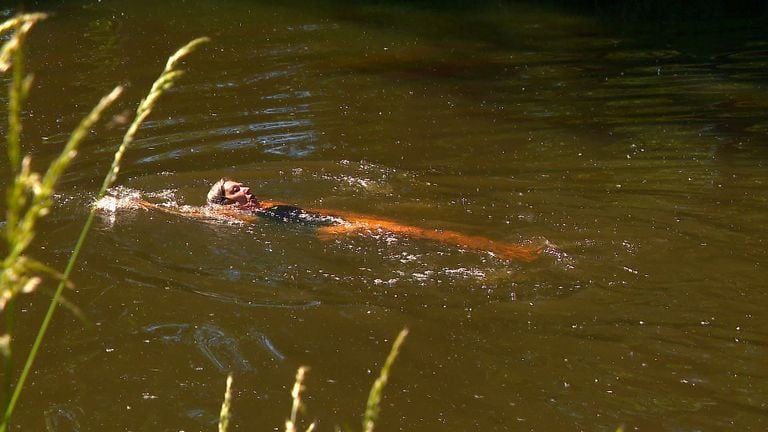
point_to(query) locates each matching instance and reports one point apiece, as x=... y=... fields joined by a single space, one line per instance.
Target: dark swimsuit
x=286 y=213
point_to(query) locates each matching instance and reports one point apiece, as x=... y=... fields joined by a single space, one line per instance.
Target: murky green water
x=644 y=163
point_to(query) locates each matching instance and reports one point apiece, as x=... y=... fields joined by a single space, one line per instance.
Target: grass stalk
x=12 y=49
x=16 y=97
x=11 y=53
x=373 y=407
x=226 y=406
x=165 y=81
x=297 y=405
x=20 y=236
x=41 y=203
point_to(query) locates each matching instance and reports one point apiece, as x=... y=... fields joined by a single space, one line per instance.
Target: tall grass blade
x=57 y=167
x=12 y=278
x=166 y=80
x=226 y=406
x=298 y=404
x=19 y=87
x=373 y=407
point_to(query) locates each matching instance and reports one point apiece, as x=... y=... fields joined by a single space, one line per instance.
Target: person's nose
x=247 y=190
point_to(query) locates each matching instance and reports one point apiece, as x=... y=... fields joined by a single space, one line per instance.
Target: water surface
x=643 y=162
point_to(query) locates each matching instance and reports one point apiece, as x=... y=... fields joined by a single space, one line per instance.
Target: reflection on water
x=643 y=162
x=218 y=348
x=61 y=418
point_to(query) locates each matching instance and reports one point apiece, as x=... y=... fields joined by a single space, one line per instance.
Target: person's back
x=288 y=213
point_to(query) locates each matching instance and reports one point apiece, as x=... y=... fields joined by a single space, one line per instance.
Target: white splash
x=118 y=198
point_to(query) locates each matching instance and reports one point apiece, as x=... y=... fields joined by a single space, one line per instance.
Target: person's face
x=237 y=193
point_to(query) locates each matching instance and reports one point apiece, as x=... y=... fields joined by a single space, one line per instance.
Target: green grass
x=372 y=407
x=29 y=198
x=30 y=195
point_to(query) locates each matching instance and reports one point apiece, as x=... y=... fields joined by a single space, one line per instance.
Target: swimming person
x=226 y=192
x=230 y=200
x=236 y=200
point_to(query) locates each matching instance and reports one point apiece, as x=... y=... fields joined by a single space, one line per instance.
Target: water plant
x=30 y=194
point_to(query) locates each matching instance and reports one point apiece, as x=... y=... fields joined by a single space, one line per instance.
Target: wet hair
x=217 y=194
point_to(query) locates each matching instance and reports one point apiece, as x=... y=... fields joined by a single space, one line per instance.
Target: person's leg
x=357 y=222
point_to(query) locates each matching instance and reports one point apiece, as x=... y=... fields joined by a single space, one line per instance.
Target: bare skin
x=241 y=205
x=364 y=223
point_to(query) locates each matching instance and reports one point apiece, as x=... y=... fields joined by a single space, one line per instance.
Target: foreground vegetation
x=29 y=198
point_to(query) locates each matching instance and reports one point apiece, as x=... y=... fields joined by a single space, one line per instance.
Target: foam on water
x=123 y=199
x=118 y=198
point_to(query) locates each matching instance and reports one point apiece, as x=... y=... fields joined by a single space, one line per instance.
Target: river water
x=641 y=161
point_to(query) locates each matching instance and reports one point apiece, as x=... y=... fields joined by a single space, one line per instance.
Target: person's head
x=227 y=192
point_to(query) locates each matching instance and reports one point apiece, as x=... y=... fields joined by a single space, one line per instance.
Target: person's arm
x=204 y=213
x=211 y=212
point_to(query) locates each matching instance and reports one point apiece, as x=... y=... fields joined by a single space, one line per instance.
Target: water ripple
x=222 y=350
